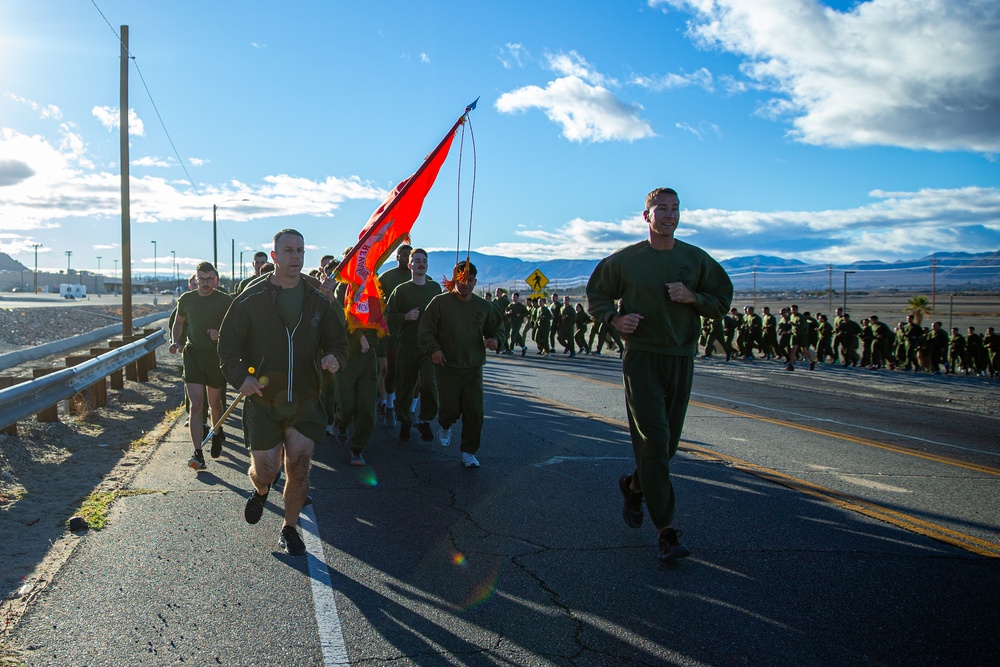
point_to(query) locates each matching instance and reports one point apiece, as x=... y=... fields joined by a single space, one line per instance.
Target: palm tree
x=918 y=306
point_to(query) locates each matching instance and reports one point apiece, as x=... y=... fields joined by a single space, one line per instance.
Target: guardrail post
x=51 y=413
x=141 y=364
x=151 y=357
x=92 y=397
x=117 y=377
x=10 y=381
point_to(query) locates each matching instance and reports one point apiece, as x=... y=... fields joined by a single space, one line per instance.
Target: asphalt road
x=834 y=518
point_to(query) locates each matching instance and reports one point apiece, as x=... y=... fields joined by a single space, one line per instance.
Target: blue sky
x=826 y=132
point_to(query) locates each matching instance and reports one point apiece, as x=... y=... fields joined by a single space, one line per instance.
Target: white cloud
x=898 y=225
x=109 y=117
x=424 y=58
x=150 y=161
x=585 y=112
x=512 y=55
x=922 y=75
x=573 y=64
x=701 y=78
x=55 y=182
x=44 y=110
x=258 y=45
x=197 y=161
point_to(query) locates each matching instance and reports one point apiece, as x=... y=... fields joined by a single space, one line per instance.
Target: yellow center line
x=846 y=501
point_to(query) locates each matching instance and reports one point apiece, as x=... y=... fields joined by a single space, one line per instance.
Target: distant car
x=166 y=291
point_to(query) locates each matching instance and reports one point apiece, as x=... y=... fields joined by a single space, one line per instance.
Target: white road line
x=331 y=637
x=841 y=423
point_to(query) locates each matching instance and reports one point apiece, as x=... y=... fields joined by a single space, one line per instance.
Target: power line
x=150 y=96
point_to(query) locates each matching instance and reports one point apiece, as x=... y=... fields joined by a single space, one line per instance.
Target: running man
x=270 y=341
x=664 y=285
x=202 y=311
x=455 y=332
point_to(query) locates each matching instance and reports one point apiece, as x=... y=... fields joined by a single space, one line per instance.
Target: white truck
x=68 y=291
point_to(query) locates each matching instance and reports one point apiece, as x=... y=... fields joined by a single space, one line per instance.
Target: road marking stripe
x=846 y=501
x=331 y=637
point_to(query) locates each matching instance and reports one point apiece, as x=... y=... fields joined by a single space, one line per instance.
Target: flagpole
x=420 y=170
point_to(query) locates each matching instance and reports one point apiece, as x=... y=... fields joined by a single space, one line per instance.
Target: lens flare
x=459 y=559
x=251 y=370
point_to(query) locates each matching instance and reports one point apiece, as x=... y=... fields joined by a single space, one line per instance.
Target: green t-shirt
x=637 y=276
x=202 y=313
x=289 y=303
x=405 y=298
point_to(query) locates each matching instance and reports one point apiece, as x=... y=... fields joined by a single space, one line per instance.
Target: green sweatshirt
x=405 y=298
x=458 y=328
x=637 y=275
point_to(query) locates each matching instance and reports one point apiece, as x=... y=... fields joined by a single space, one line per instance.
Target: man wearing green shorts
x=202 y=311
x=414 y=369
x=455 y=332
x=276 y=339
x=665 y=285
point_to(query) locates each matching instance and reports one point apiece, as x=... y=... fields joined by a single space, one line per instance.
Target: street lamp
x=845 y=289
x=173 y=261
x=36 y=246
x=98 y=274
x=69 y=253
x=241 y=265
x=154 y=273
x=215 y=231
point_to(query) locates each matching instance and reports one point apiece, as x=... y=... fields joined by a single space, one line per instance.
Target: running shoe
x=444 y=436
x=632 y=507
x=197 y=461
x=390 y=417
x=291 y=542
x=357 y=459
x=469 y=460
x=342 y=434
x=670 y=547
x=254 y=509
x=424 y=428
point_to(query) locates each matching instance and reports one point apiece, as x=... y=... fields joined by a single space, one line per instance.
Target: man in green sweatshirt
x=404 y=310
x=665 y=285
x=455 y=332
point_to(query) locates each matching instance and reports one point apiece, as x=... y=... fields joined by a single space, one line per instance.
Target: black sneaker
x=342 y=435
x=404 y=431
x=254 y=509
x=426 y=434
x=197 y=461
x=670 y=546
x=632 y=507
x=291 y=542
x=217 y=444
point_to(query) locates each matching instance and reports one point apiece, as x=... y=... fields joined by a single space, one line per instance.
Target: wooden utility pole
x=126 y=216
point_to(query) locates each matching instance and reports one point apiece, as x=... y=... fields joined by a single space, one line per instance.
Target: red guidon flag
x=386 y=229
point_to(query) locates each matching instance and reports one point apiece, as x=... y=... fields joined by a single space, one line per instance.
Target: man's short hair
x=404 y=250
x=286 y=231
x=660 y=191
x=260 y=254
x=418 y=251
x=205 y=267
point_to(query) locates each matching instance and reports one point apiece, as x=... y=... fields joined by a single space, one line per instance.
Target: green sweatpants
x=657 y=389
x=460 y=391
x=356 y=387
x=414 y=371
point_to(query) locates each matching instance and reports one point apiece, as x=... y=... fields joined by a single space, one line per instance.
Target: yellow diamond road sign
x=536 y=281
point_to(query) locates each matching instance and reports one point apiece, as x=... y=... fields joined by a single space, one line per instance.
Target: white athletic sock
x=390 y=400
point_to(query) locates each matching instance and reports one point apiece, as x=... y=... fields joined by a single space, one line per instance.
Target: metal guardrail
x=28 y=398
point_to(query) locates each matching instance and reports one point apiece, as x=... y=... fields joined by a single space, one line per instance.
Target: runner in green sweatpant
x=664 y=286
x=455 y=332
